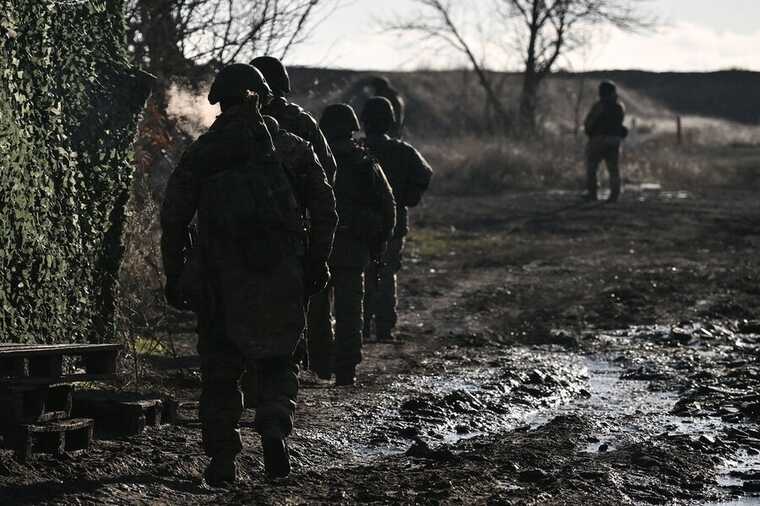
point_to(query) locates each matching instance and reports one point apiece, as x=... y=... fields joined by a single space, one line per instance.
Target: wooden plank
x=54 y=437
x=15 y=350
x=66 y=378
x=32 y=404
x=120 y=413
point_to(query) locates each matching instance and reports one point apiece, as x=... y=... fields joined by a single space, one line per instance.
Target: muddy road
x=553 y=352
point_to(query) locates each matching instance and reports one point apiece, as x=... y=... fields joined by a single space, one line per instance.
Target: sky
x=692 y=35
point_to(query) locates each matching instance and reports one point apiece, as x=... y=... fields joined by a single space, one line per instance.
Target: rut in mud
x=554 y=353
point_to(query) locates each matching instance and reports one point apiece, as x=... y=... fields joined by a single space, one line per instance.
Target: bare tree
x=547 y=29
x=170 y=36
x=437 y=22
x=544 y=31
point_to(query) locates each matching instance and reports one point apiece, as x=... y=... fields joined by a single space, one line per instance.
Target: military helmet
x=339 y=119
x=234 y=80
x=607 y=89
x=380 y=83
x=378 y=114
x=274 y=72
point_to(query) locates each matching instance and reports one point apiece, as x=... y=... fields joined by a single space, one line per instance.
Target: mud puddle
x=451 y=402
x=689 y=386
x=639 y=411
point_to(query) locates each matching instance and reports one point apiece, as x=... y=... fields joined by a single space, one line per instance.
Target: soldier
x=366 y=217
x=383 y=88
x=409 y=175
x=291 y=116
x=253 y=277
x=299 y=160
x=605 y=131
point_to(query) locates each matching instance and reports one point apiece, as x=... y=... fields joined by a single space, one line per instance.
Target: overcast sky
x=694 y=35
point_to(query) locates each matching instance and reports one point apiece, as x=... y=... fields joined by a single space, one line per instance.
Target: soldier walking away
x=302 y=165
x=366 y=217
x=294 y=119
x=605 y=130
x=291 y=116
x=252 y=280
x=409 y=175
x=382 y=88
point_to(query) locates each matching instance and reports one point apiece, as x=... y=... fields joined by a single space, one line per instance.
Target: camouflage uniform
x=249 y=316
x=409 y=175
x=295 y=120
x=605 y=131
x=367 y=215
x=299 y=159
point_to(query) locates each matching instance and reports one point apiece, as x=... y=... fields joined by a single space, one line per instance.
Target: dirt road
x=554 y=353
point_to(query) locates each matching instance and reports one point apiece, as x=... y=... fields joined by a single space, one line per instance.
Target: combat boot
x=345 y=377
x=221 y=471
x=276 y=457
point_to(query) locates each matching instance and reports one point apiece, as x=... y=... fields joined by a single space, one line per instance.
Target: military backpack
x=254 y=207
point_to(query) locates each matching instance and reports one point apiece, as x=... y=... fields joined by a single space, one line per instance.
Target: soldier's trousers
x=221 y=404
x=380 y=291
x=342 y=348
x=607 y=149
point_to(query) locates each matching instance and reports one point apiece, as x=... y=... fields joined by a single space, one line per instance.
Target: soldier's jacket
x=408 y=173
x=259 y=310
x=366 y=207
x=295 y=120
x=606 y=119
x=312 y=190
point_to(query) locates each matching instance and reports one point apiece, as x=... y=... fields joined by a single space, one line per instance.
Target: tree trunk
x=162 y=39
x=529 y=100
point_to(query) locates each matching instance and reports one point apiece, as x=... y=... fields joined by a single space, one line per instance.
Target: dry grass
x=488 y=165
x=473 y=165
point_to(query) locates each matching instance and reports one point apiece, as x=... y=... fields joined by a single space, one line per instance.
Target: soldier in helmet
x=366 y=217
x=382 y=88
x=291 y=116
x=409 y=175
x=252 y=282
x=605 y=131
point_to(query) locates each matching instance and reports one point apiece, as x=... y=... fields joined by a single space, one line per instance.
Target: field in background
x=448 y=120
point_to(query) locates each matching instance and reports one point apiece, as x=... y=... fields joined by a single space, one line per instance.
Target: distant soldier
x=252 y=282
x=409 y=175
x=366 y=219
x=382 y=88
x=291 y=116
x=605 y=131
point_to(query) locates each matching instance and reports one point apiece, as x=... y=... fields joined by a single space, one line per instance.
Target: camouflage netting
x=69 y=104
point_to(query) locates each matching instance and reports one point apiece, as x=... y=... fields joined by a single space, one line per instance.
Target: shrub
x=68 y=109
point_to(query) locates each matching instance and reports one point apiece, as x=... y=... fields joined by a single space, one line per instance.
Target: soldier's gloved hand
x=316 y=276
x=174 y=295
